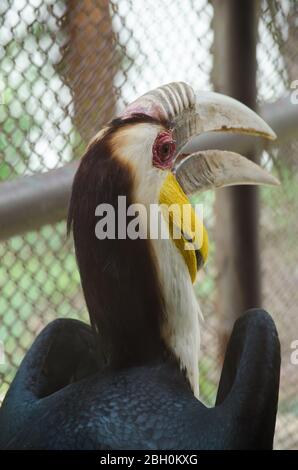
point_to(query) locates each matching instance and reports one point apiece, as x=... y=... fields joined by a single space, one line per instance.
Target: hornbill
x=136 y=289
x=134 y=383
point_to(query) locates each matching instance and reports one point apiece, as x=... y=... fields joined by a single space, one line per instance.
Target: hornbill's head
x=154 y=129
x=136 y=290
x=161 y=122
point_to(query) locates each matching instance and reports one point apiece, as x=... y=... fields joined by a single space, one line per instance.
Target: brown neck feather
x=119 y=277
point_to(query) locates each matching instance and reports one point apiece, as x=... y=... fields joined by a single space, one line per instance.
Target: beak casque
x=191 y=114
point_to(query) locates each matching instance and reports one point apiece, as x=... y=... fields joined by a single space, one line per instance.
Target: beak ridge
x=219 y=112
x=195 y=112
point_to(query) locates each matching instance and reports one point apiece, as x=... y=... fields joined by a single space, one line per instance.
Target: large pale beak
x=213 y=169
x=191 y=114
x=217 y=112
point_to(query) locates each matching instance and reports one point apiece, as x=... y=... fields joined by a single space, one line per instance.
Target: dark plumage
x=119 y=277
x=60 y=400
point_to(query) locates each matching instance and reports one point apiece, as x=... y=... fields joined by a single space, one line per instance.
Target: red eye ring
x=164 y=150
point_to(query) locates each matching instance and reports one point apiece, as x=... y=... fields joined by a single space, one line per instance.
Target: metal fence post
x=236 y=209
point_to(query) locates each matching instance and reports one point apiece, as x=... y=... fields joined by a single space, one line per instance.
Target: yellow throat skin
x=185 y=228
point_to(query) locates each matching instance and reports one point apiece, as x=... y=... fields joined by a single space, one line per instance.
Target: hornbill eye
x=164 y=150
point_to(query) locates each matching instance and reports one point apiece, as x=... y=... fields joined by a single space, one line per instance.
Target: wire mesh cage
x=66 y=68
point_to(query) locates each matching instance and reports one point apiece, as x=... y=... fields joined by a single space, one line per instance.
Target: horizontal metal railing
x=27 y=203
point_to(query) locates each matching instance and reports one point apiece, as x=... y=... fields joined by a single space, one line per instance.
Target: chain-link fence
x=66 y=67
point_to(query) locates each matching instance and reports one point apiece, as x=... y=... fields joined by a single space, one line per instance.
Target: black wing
x=60 y=399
